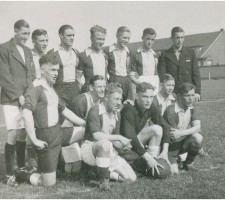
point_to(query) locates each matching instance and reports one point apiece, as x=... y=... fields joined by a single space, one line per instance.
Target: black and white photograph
x=112 y=99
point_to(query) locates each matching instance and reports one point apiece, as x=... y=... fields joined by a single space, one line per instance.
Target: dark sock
x=20 y=153
x=103 y=173
x=192 y=153
x=9 y=158
x=32 y=156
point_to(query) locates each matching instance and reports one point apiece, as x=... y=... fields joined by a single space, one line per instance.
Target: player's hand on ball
x=152 y=163
x=40 y=144
x=165 y=157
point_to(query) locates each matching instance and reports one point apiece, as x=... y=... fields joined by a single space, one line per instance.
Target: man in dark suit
x=15 y=79
x=180 y=62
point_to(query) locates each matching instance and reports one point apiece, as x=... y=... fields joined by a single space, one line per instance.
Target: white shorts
x=13 y=117
x=87 y=156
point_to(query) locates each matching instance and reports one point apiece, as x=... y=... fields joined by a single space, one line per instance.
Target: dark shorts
x=55 y=136
x=126 y=86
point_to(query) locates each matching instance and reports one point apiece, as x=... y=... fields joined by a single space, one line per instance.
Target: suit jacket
x=15 y=75
x=184 y=70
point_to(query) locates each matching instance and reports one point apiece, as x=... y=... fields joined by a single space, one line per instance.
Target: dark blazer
x=184 y=70
x=15 y=75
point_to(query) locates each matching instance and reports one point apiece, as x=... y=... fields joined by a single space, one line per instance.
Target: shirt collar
x=102 y=110
x=179 y=109
x=59 y=47
x=89 y=51
x=34 y=53
x=160 y=97
x=140 y=49
x=42 y=82
x=114 y=47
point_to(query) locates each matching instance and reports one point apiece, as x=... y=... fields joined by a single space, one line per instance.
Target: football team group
x=111 y=109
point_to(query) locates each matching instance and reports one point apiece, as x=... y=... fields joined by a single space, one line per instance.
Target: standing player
x=16 y=65
x=165 y=96
x=67 y=84
x=143 y=124
x=185 y=128
x=93 y=60
x=180 y=62
x=40 y=42
x=119 y=61
x=144 y=61
x=102 y=134
x=41 y=111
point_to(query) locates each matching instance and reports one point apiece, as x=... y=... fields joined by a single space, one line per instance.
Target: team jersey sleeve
x=194 y=115
x=31 y=98
x=79 y=106
x=61 y=105
x=127 y=129
x=93 y=123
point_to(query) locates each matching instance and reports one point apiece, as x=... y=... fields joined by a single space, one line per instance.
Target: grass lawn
x=207 y=183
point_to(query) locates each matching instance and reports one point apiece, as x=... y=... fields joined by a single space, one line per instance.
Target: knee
x=130 y=177
x=157 y=130
x=104 y=146
x=197 y=139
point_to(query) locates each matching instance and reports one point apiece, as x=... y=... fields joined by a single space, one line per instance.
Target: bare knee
x=198 y=138
x=157 y=131
x=102 y=147
x=48 y=179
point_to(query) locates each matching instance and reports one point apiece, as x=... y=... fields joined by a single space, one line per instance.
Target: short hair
x=144 y=86
x=38 y=32
x=122 y=29
x=185 y=88
x=113 y=88
x=176 y=29
x=97 y=28
x=96 y=78
x=165 y=78
x=150 y=31
x=21 y=23
x=64 y=27
x=48 y=58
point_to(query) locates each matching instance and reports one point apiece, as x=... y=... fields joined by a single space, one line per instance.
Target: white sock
x=154 y=150
x=35 y=179
x=102 y=162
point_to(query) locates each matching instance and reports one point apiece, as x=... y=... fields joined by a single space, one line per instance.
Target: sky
x=193 y=17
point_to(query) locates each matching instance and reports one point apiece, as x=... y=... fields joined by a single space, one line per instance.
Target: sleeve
x=61 y=105
x=93 y=123
x=132 y=67
x=158 y=119
x=161 y=65
x=127 y=129
x=194 y=115
x=31 y=99
x=6 y=79
x=79 y=106
x=170 y=117
x=196 y=79
x=80 y=67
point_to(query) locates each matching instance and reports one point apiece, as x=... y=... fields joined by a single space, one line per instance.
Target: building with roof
x=209 y=47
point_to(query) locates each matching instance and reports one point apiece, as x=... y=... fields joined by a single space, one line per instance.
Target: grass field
x=207 y=183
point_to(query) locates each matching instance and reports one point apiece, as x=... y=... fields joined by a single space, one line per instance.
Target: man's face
x=144 y=99
x=178 y=40
x=22 y=35
x=41 y=43
x=168 y=86
x=123 y=39
x=99 y=88
x=148 y=41
x=114 y=101
x=50 y=72
x=67 y=37
x=98 y=40
x=187 y=99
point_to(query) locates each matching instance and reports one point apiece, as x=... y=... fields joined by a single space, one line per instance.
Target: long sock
x=103 y=168
x=192 y=153
x=20 y=153
x=9 y=158
x=154 y=150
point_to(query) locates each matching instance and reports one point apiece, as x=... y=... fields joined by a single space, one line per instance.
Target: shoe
x=202 y=153
x=104 y=185
x=11 y=181
x=189 y=167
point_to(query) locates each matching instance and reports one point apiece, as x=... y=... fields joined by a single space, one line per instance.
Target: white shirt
x=21 y=51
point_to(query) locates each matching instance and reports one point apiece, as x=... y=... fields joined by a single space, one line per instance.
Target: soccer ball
x=163 y=173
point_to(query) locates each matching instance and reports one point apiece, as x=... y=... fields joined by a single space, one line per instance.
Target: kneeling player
x=185 y=128
x=41 y=111
x=143 y=124
x=102 y=133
